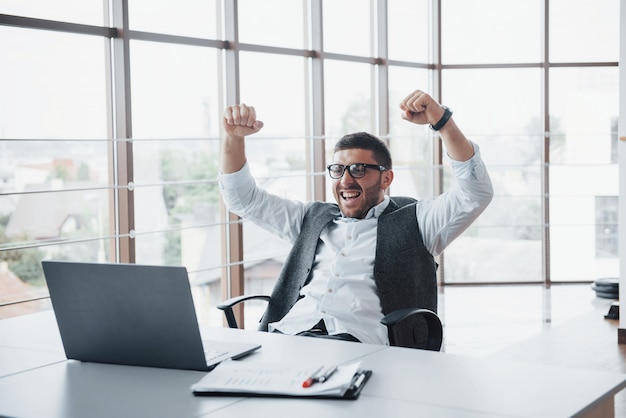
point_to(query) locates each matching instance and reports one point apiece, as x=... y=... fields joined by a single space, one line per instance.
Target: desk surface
x=36 y=380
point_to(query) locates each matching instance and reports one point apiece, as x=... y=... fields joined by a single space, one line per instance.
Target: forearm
x=233 y=156
x=456 y=144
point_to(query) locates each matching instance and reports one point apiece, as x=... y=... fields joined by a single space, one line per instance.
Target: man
x=357 y=260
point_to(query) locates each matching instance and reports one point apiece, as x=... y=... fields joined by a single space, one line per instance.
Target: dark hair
x=363 y=140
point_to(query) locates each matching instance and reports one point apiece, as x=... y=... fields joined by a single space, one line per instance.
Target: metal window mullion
x=381 y=87
x=232 y=280
x=545 y=157
x=438 y=93
x=121 y=152
x=315 y=101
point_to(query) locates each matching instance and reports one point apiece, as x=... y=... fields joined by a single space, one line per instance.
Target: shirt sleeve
x=442 y=219
x=280 y=216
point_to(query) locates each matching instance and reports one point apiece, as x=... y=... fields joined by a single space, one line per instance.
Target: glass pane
x=347 y=98
x=583 y=242
x=491 y=31
x=511 y=226
x=272 y=22
x=582 y=134
x=410 y=30
x=21 y=274
x=52 y=85
x=195 y=18
x=278 y=96
x=503 y=259
x=176 y=198
x=348 y=27
x=175 y=91
x=583 y=146
x=584 y=33
x=402 y=82
x=70 y=214
x=89 y=12
x=511 y=141
x=277 y=156
x=72 y=191
x=495 y=101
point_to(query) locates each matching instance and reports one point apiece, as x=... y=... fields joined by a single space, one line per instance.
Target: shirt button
x=330 y=290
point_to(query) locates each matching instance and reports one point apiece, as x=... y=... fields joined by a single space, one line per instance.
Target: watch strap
x=447 y=113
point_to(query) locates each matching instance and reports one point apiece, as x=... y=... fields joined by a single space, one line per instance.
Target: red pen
x=311 y=379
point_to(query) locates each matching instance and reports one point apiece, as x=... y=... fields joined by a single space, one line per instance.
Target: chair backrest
x=405 y=272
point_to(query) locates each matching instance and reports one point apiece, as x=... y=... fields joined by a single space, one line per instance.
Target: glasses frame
x=353 y=166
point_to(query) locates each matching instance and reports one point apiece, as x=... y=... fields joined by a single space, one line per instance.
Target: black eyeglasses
x=356 y=170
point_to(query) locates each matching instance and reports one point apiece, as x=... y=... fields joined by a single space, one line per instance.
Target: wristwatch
x=444 y=119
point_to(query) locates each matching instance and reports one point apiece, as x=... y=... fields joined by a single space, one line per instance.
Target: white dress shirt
x=342 y=290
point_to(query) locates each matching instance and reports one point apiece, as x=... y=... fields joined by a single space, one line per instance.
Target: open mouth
x=350 y=195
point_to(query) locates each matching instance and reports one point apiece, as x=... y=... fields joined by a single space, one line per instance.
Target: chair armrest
x=228 y=304
x=435 y=328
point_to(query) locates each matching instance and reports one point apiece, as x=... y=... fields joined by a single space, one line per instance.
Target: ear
x=386 y=179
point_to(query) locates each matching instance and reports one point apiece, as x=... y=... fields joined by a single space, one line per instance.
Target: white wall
x=622 y=159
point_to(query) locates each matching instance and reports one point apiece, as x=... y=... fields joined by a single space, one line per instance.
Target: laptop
x=133 y=315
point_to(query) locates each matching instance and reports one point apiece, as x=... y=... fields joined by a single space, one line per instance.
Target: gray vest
x=404 y=270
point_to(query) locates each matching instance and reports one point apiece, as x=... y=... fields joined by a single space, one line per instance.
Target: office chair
x=427 y=327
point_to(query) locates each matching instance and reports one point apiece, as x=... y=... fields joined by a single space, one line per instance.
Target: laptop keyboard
x=213 y=354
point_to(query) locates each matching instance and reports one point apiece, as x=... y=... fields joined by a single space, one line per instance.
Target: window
x=581 y=148
x=108 y=154
x=55 y=190
x=491 y=31
x=510 y=141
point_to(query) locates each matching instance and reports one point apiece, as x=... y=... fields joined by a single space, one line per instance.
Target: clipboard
x=360 y=379
x=259 y=380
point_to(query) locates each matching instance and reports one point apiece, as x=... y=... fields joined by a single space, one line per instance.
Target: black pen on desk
x=312 y=378
x=327 y=374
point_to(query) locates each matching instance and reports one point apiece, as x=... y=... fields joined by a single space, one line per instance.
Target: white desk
x=37 y=381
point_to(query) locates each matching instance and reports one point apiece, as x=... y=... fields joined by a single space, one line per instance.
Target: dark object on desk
x=432 y=323
x=607 y=288
x=133 y=315
x=613 y=311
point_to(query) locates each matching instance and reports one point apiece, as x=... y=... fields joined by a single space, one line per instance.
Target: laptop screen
x=126 y=314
